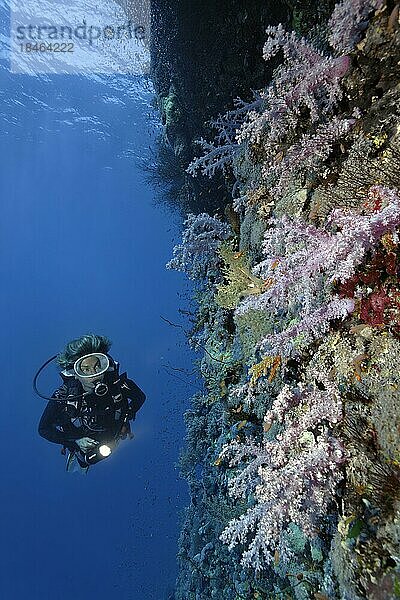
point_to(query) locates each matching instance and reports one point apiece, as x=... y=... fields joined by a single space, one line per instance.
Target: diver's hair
x=86 y=344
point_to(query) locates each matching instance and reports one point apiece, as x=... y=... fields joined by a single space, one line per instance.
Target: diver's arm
x=136 y=397
x=51 y=421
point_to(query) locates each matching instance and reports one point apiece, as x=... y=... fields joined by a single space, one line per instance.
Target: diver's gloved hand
x=86 y=443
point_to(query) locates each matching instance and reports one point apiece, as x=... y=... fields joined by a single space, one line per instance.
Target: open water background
x=83 y=248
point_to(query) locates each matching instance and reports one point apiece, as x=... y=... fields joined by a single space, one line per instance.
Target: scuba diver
x=91 y=411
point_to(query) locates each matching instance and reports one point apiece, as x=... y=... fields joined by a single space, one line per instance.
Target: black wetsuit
x=98 y=417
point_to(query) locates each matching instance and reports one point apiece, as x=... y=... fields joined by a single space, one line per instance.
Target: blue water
x=83 y=248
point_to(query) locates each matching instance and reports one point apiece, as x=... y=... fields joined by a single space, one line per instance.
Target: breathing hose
x=34 y=383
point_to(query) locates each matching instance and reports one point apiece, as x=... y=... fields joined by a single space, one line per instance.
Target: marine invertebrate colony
x=306 y=80
x=292 y=477
x=197 y=256
x=348 y=22
x=303 y=262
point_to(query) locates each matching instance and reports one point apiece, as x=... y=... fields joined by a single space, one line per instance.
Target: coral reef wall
x=292 y=452
x=203 y=54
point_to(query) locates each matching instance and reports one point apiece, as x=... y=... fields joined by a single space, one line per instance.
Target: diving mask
x=90 y=369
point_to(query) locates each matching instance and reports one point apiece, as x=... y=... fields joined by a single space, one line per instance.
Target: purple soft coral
x=348 y=21
x=292 y=478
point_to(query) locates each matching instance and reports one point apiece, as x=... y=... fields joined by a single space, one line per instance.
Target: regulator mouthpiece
x=100 y=388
